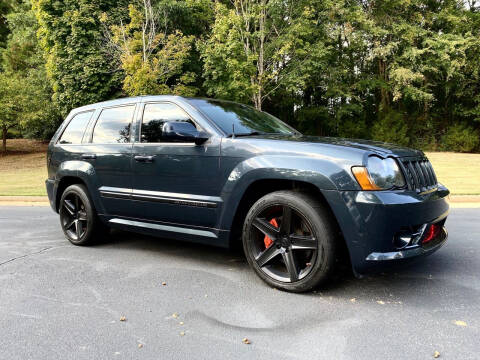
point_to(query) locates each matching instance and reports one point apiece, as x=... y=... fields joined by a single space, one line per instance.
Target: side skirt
x=208 y=236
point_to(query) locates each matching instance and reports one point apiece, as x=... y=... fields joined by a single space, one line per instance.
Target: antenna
x=233 y=131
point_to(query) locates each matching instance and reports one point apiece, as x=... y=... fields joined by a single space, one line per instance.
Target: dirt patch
x=24 y=146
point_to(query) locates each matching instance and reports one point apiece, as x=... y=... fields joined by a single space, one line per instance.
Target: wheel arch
x=262 y=187
x=77 y=172
x=64 y=183
x=280 y=173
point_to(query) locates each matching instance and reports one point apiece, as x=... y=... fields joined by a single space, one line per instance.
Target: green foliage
x=152 y=60
x=403 y=71
x=10 y=99
x=25 y=95
x=461 y=138
x=5 y=8
x=391 y=128
x=256 y=47
x=72 y=39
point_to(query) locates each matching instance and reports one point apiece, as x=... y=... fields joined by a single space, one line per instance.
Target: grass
x=23 y=170
x=458 y=172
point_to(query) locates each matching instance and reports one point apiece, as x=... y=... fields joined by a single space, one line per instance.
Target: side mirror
x=182 y=131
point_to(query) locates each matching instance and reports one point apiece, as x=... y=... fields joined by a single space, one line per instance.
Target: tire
x=78 y=218
x=295 y=255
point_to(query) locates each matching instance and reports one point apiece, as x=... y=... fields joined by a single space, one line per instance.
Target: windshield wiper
x=253 y=133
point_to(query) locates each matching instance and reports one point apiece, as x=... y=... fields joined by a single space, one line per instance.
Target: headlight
x=379 y=174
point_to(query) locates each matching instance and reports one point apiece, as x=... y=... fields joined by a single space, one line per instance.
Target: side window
x=155 y=115
x=113 y=125
x=74 y=132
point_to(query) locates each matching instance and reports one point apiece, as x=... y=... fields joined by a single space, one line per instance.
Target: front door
x=174 y=182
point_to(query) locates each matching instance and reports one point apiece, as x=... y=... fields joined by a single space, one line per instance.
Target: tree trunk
x=261 y=59
x=4 y=137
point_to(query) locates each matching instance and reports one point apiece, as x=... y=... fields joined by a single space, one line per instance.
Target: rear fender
x=86 y=173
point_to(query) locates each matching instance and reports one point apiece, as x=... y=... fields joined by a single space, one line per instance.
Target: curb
x=24 y=201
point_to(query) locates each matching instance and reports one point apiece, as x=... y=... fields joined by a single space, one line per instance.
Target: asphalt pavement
x=59 y=301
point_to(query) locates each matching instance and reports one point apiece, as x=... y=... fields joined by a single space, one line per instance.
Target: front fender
x=86 y=173
x=322 y=173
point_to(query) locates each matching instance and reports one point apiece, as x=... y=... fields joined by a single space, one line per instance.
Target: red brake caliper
x=267 y=241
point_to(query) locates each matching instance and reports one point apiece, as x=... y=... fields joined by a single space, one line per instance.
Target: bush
x=391 y=128
x=460 y=138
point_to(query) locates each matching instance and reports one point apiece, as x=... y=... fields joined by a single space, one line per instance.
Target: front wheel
x=78 y=218
x=289 y=239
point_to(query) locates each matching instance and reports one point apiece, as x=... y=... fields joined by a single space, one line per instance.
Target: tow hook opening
x=432 y=232
x=418 y=235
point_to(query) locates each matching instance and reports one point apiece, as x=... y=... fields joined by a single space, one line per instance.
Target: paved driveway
x=58 y=301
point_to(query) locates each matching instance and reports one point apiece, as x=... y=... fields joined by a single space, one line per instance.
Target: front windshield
x=245 y=119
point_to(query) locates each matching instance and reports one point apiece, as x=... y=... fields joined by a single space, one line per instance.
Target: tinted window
x=113 y=125
x=74 y=132
x=155 y=115
x=244 y=118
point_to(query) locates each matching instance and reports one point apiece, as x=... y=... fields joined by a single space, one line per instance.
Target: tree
x=152 y=59
x=404 y=71
x=27 y=93
x=5 y=8
x=72 y=39
x=9 y=105
x=256 y=47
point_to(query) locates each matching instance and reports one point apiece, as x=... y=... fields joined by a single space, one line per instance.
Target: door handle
x=89 y=156
x=144 y=158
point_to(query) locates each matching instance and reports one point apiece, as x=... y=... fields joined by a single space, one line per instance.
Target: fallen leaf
x=460 y=323
x=436 y=354
x=164 y=283
x=380 y=302
x=174 y=315
x=246 y=341
x=353 y=300
x=123 y=318
x=182 y=333
x=140 y=346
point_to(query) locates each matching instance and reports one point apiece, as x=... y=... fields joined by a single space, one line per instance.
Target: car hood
x=377 y=147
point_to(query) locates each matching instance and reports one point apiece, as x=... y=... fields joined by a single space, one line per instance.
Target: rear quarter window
x=113 y=125
x=73 y=133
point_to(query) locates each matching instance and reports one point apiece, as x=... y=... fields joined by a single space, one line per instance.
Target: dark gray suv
x=219 y=172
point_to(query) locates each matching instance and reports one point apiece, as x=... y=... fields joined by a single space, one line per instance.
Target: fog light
x=431 y=233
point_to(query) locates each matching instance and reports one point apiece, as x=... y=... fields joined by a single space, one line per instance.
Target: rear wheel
x=78 y=218
x=289 y=240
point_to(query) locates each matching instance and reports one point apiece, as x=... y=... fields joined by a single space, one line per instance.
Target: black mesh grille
x=419 y=174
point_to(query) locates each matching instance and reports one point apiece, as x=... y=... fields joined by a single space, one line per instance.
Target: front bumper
x=411 y=251
x=370 y=222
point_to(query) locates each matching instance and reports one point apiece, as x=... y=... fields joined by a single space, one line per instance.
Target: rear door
x=109 y=148
x=180 y=183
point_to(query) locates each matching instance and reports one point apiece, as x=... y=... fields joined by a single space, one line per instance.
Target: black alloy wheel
x=287 y=250
x=289 y=240
x=78 y=218
x=74 y=216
